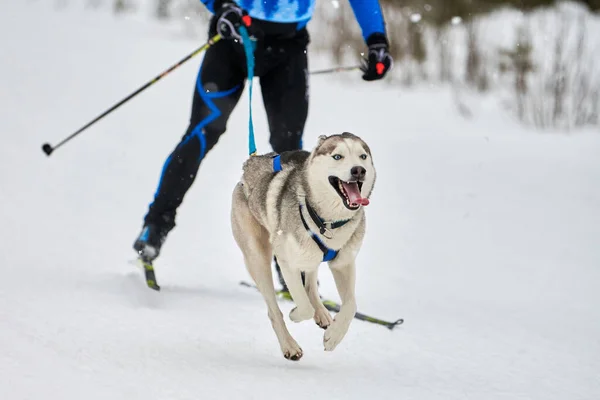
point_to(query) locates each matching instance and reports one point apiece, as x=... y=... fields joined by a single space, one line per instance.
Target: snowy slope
x=484 y=237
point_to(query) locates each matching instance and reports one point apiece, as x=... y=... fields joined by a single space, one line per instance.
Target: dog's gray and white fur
x=266 y=221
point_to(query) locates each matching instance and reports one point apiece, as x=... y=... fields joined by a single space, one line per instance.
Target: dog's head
x=341 y=172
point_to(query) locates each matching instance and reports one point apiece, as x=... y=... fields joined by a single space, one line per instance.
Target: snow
x=481 y=235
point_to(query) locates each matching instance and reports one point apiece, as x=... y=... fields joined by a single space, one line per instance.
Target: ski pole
x=48 y=149
x=332 y=70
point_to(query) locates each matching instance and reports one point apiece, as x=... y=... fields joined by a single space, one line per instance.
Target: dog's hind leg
x=322 y=316
x=293 y=279
x=253 y=240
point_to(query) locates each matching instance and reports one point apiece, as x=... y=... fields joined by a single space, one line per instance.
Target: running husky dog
x=305 y=208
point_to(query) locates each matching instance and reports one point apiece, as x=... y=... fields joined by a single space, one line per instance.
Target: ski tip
x=149 y=274
x=153 y=285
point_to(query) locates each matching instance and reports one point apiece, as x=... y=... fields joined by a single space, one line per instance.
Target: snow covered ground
x=483 y=236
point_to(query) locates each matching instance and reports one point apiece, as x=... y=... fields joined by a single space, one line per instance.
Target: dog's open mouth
x=349 y=192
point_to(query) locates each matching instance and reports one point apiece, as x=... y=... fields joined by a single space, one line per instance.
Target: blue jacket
x=367 y=12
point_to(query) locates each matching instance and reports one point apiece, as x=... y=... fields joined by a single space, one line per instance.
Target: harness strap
x=249 y=47
x=328 y=254
x=321 y=224
x=277 y=163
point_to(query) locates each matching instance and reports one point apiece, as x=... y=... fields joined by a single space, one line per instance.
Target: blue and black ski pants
x=280 y=64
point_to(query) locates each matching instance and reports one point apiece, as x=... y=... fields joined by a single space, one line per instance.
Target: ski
x=149 y=274
x=335 y=307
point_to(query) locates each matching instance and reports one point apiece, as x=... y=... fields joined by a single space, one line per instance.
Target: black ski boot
x=149 y=242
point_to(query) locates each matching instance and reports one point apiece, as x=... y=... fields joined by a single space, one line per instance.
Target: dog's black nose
x=358 y=173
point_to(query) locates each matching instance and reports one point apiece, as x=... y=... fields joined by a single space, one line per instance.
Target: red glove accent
x=247 y=20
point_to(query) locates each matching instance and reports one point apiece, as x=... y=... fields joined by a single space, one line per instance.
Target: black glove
x=229 y=17
x=378 y=61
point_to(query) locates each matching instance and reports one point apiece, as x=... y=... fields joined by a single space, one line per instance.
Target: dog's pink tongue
x=354 y=194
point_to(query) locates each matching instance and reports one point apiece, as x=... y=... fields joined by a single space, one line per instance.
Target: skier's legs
x=219 y=86
x=285 y=96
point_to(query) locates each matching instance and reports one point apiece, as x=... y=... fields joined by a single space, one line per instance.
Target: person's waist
x=279 y=30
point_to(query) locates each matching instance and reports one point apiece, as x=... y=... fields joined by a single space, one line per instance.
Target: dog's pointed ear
x=320 y=140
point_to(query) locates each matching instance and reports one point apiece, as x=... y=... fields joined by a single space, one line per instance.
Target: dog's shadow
x=263 y=355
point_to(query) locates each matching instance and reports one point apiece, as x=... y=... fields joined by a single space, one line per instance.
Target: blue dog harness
x=277 y=163
x=328 y=254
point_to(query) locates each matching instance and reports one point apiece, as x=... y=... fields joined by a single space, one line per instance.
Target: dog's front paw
x=334 y=335
x=291 y=350
x=299 y=315
x=322 y=317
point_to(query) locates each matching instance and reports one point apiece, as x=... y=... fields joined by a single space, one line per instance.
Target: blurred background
x=539 y=58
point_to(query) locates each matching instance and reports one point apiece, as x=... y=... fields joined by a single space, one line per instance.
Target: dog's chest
x=337 y=238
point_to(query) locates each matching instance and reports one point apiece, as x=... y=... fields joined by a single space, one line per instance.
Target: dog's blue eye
x=363 y=156
x=337 y=157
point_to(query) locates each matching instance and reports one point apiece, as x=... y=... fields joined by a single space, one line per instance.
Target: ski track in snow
x=483 y=236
